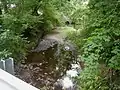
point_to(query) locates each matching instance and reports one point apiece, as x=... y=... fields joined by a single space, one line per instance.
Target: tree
x=22 y=21
x=101 y=47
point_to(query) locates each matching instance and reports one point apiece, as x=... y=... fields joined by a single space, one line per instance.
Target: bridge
x=9 y=81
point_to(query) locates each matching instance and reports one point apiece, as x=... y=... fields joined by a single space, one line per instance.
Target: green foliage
x=101 y=46
x=11 y=45
x=23 y=23
x=51 y=17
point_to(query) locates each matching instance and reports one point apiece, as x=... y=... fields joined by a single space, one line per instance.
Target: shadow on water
x=45 y=68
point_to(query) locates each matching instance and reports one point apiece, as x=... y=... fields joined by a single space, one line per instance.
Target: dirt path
x=59 y=34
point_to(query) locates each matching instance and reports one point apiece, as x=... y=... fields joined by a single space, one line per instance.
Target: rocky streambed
x=52 y=65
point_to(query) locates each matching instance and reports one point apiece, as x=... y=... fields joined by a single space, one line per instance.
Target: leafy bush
x=12 y=45
x=101 y=46
x=23 y=23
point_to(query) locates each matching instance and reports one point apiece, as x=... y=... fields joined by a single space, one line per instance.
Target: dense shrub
x=98 y=42
x=101 y=47
x=23 y=22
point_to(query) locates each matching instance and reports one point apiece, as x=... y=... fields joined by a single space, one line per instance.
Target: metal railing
x=7 y=65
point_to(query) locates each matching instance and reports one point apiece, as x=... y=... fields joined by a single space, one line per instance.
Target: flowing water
x=51 y=65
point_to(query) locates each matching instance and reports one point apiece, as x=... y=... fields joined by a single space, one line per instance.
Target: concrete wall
x=10 y=82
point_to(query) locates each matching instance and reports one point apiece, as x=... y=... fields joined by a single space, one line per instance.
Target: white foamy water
x=67 y=81
x=72 y=73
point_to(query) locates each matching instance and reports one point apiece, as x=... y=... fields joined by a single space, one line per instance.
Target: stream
x=53 y=64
